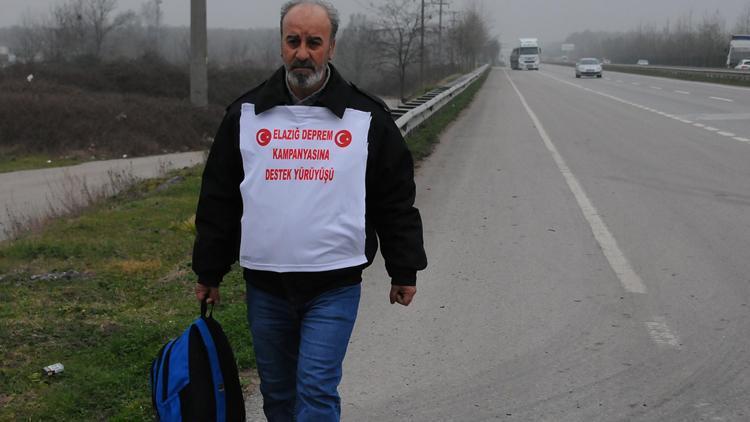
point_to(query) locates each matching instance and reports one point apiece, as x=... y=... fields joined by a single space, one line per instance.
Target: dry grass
x=72 y=196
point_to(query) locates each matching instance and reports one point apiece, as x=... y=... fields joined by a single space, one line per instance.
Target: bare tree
x=491 y=51
x=96 y=14
x=472 y=36
x=682 y=42
x=354 y=48
x=469 y=37
x=152 y=17
x=397 y=28
x=67 y=35
x=80 y=27
x=30 y=38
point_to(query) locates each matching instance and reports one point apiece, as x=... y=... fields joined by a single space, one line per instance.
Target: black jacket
x=390 y=191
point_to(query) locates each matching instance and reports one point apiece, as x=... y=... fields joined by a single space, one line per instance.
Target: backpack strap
x=204 y=309
x=213 y=359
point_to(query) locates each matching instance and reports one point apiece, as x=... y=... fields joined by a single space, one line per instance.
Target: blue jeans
x=299 y=351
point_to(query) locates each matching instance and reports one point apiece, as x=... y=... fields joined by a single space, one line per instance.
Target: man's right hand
x=403 y=295
x=207 y=293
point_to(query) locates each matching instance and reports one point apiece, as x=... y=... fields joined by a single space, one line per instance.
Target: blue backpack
x=194 y=377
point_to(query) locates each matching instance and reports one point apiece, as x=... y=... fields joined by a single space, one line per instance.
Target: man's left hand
x=402 y=294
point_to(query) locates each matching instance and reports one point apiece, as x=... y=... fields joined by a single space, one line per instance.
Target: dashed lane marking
x=661 y=113
x=661 y=334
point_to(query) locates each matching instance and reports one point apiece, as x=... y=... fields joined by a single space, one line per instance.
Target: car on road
x=588 y=67
x=642 y=62
x=743 y=65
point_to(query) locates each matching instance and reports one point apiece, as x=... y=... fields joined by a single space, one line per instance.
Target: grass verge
x=103 y=291
x=422 y=140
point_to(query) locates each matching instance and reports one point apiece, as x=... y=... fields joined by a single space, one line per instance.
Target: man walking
x=305 y=174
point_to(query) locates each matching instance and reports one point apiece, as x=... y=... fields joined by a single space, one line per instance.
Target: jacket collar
x=334 y=96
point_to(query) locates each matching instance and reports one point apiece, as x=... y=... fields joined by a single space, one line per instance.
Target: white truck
x=526 y=55
x=739 y=49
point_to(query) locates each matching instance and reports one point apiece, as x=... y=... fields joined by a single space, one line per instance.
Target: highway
x=589 y=244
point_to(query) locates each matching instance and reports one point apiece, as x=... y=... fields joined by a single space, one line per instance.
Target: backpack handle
x=204 y=309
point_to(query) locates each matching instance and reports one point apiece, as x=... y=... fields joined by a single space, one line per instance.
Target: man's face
x=306 y=45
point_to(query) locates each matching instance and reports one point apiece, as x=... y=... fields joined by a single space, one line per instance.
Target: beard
x=304 y=80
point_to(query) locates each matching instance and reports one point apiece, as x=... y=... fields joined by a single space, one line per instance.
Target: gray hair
x=333 y=14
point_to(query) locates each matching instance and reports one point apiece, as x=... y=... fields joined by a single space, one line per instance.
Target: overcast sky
x=549 y=20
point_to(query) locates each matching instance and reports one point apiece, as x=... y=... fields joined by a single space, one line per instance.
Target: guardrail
x=711 y=74
x=736 y=77
x=414 y=117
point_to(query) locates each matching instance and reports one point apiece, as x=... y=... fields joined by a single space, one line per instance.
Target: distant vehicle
x=739 y=49
x=514 y=58
x=606 y=61
x=642 y=62
x=526 y=55
x=743 y=65
x=588 y=67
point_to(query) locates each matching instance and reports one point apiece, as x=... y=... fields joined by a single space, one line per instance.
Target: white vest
x=303 y=193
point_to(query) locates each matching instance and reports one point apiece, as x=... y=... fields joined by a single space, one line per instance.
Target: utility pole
x=453 y=26
x=198 y=54
x=421 y=52
x=440 y=3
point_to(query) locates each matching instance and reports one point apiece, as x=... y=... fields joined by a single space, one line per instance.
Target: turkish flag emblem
x=263 y=137
x=343 y=139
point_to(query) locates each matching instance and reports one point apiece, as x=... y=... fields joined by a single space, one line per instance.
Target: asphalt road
x=588 y=244
x=33 y=194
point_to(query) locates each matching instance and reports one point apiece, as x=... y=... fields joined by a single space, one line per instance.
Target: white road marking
x=655 y=87
x=742 y=139
x=636 y=83
x=722 y=99
x=661 y=334
x=620 y=265
x=683 y=92
x=661 y=113
x=722 y=116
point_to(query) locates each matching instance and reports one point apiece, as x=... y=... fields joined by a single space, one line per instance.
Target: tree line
x=396 y=40
x=685 y=41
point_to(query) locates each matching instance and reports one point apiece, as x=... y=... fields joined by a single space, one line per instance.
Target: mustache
x=302 y=64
